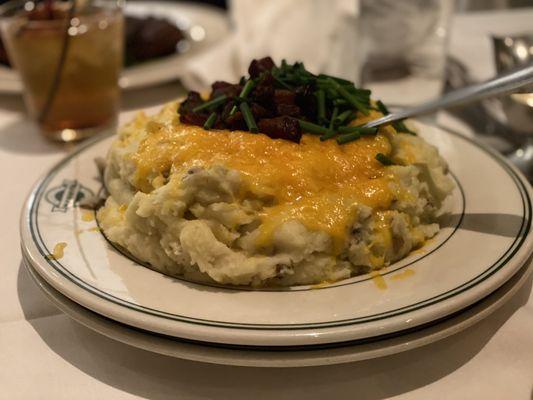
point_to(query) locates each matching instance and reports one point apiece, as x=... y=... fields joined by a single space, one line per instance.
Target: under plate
x=249 y=358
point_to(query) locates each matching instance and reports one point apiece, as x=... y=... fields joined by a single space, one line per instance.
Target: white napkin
x=321 y=33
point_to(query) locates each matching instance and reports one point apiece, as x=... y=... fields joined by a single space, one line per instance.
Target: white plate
x=250 y=358
x=206 y=24
x=485 y=242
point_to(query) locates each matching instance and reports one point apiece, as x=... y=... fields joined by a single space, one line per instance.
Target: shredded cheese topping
x=314 y=182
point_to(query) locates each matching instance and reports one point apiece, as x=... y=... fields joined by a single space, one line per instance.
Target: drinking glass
x=403 y=47
x=69 y=55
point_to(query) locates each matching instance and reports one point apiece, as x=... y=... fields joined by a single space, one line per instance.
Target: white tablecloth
x=45 y=355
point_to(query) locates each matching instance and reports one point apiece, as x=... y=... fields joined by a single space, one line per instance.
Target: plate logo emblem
x=70 y=193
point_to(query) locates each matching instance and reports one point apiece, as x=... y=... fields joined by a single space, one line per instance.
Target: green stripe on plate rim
x=282 y=349
x=496 y=266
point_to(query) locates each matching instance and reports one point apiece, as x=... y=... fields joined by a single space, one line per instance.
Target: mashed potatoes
x=244 y=209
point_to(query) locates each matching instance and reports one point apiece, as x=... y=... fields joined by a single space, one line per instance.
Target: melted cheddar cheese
x=317 y=183
x=58 y=252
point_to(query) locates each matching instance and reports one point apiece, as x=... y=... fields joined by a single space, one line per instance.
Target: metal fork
x=499 y=85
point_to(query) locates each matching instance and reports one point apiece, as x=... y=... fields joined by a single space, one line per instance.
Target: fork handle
x=499 y=85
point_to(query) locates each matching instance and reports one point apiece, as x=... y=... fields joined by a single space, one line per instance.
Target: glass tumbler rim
x=10 y=9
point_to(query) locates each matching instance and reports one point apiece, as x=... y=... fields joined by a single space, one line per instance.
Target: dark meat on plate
x=281 y=128
x=148 y=38
x=3 y=54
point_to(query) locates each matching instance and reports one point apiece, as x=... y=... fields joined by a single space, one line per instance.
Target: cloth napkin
x=322 y=34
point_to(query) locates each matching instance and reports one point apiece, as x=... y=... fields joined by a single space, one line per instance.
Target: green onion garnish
x=348 y=129
x=321 y=105
x=382 y=108
x=359 y=129
x=368 y=131
x=332 y=125
x=345 y=117
x=210 y=121
x=349 y=98
x=340 y=102
x=211 y=104
x=281 y=83
x=401 y=127
x=348 y=137
x=333 y=118
x=328 y=135
x=244 y=93
x=398 y=125
x=246 y=89
x=335 y=78
x=383 y=159
x=314 y=129
x=248 y=117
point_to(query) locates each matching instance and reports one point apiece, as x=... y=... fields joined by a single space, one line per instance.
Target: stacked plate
x=475 y=263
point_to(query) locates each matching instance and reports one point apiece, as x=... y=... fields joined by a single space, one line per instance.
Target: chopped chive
x=328 y=135
x=314 y=129
x=398 y=125
x=359 y=129
x=360 y=95
x=248 y=117
x=337 y=79
x=368 y=131
x=332 y=93
x=321 y=105
x=349 y=98
x=210 y=121
x=333 y=118
x=331 y=128
x=340 y=102
x=278 y=80
x=248 y=86
x=246 y=89
x=361 y=107
x=348 y=129
x=383 y=159
x=233 y=110
x=348 y=137
x=401 y=127
x=363 y=92
x=211 y=104
x=382 y=108
x=345 y=117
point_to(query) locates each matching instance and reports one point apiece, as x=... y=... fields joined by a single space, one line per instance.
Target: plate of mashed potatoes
x=264 y=214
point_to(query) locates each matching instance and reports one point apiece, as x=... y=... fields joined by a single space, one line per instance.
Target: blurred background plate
x=203 y=24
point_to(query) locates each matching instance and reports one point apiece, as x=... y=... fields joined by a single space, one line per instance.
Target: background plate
x=212 y=21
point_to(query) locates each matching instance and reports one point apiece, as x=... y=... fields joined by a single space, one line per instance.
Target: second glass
x=404 y=48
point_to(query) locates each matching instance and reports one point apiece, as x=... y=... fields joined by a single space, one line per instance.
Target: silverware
x=512 y=52
x=517 y=109
x=502 y=84
x=480 y=116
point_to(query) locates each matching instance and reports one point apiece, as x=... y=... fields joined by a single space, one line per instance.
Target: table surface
x=45 y=355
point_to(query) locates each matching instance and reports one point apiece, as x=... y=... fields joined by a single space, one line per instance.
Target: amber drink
x=69 y=56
